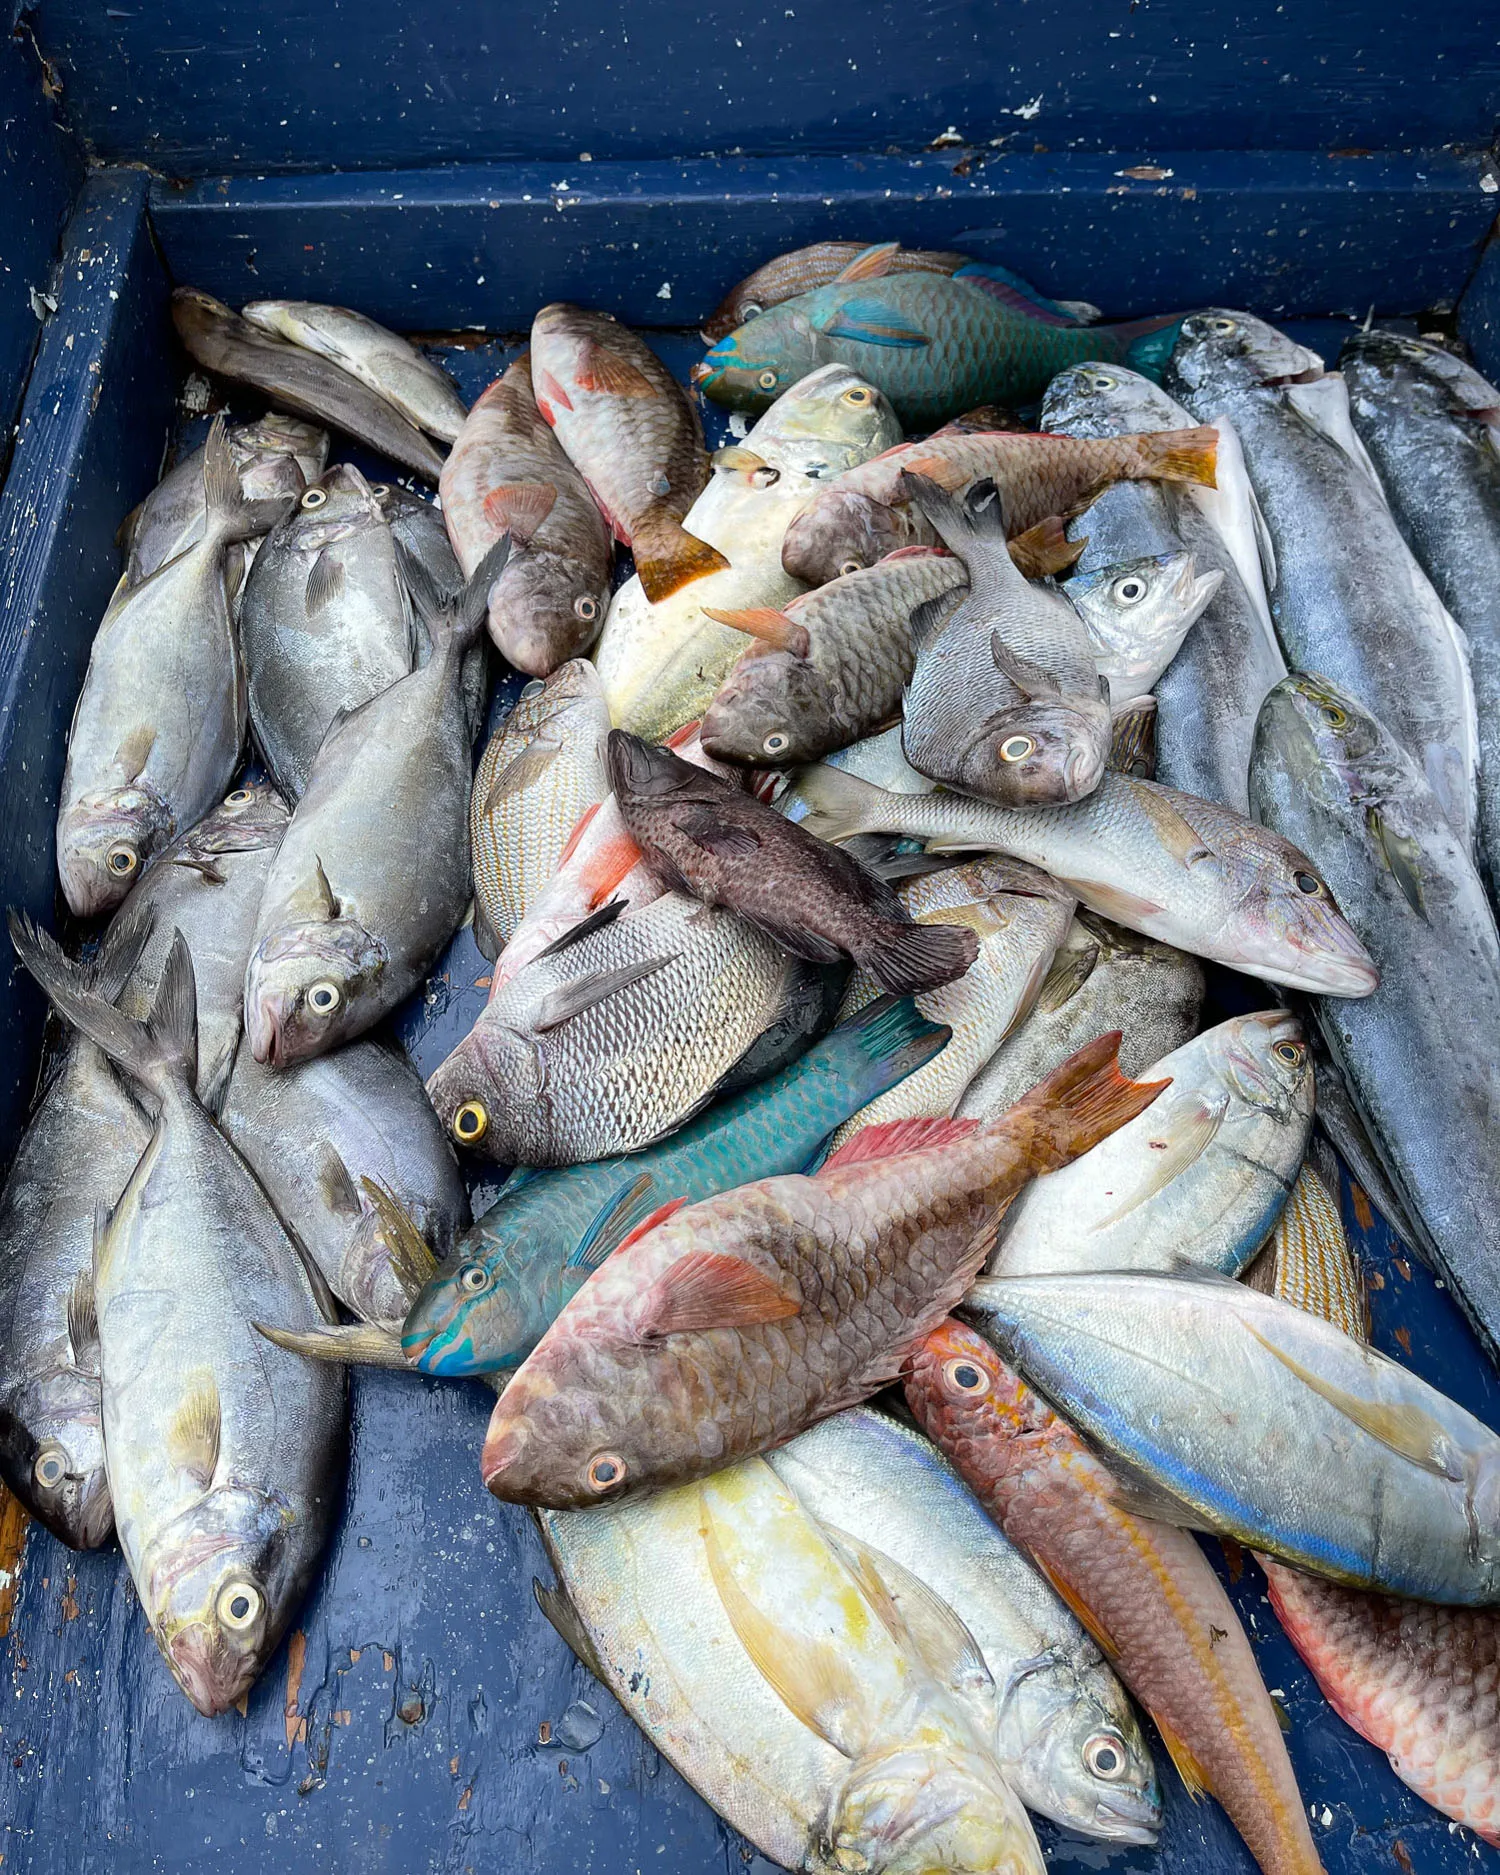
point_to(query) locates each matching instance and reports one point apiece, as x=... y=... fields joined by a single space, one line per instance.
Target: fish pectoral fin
x=1185 y=1761
x=721 y=838
x=897 y=1136
x=611 y=1228
x=1044 y=551
x=706 y=1289
x=207 y=868
x=586 y=927
x=648 y=1224
x=1407 y=1431
x=325 y=583
x=352 y=1344
x=1110 y=901
x=1139 y=1497
x=1034 y=684
x=314 y=901
x=520 y=509
x=1402 y=856
x=868 y=322
x=928 y=618
x=1066 y=976
x=1180 y=838
x=915 y=1616
x=873 y=263
x=571 y=999
x=334 y=1181
x=134 y=752
x=766 y=625
x=83 y=1321
x=521 y=772
x=565 y=1618
x=600 y=369
x=1177 y=1139
x=194 y=1430
x=412 y=1262
x=522 y=1175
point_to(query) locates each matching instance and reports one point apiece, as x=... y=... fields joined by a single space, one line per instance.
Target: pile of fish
x=845 y=877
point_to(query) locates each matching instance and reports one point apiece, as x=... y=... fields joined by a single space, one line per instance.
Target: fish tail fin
x=976 y=518
x=1144 y=344
x=1178 y=456
x=668 y=557
x=906 y=958
x=839 y=805
x=894 y=1038
x=1077 y=1104
x=1044 y=551
x=452 y=619
x=229 y=515
x=162 y=1049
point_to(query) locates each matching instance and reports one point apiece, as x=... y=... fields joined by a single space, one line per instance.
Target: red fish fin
x=1044 y=551
x=577 y=834
x=706 y=1289
x=897 y=1136
x=668 y=557
x=608 y=868
x=768 y=625
x=549 y=394
x=1180 y=455
x=520 y=509
x=1076 y=1105
x=940 y=470
x=680 y=738
x=915 y=553
x=600 y=369
x=658 y=1216
x=873 y=264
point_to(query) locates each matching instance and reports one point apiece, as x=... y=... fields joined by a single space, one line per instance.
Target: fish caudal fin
x=1044 y=551
x=1078 y=1104
x=907 y=958
x=839 y=805
x=974 y=519
x=895 y=1037
x=668 y=557
x=156 y=1052
x=452 y=619
x=229 y=516
x=1179 y=456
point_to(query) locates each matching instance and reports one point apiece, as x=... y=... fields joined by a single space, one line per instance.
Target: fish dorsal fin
x=707 y=1289
x=412 y=1261
x=897 y=1136
x=134 y=752
x=869 y=322
x=334 y=1181
x=1402 y=856
x=612 y=1226
x=1177 y=834
x=559 y=1610
x=519 y=1178
x=600 y=369
x=572 y=999
x=766 y=624
x=1019 y=295
x=1406 y=1430
x=928 y=619
x=1178 y=1137
x=325 y=583
x=195 y=1428
x=813 y=1679
x=520 y=509
x=313 y=902
x=872 y=263
x=585 y=928
x=83 y=1323
x=1034 y=684
x=523 y=770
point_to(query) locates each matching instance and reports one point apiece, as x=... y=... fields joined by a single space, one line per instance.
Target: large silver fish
x=324 y=621
x=1200 y=1179
x=1103 y=977
x=823 y=1702
x=1349 y=600
x=1165 y=864
x=157 y=731
x=390 y=365
x=225 y=1454
x=1211 y=691
x=1138 y=612
x=373 y=875
x=1326 y=773
x=1065 y=1735
x=1263 y=1423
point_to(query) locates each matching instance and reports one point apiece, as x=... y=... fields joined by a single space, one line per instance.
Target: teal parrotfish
x=935 y=345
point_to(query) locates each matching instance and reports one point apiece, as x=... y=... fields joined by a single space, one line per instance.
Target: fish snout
x=1083 y=770
x=502 y=1463
x=212 y=1675
x=704 y=372
x=1128 y=1816
x=265 y=1026
x=639 y=768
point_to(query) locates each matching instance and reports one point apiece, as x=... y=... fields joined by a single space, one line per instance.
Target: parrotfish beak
x=706 y=371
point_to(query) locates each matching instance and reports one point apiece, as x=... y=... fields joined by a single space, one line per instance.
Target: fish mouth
x=1083 y=770
x=1126 y=1819
x=415 y=1347
x=212 y=1677
x=1349 y=976
x=639 y=768
x=264 y=1027
x=703 y=373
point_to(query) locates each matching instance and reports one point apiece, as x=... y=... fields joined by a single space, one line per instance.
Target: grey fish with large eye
x=226 y=1454
x=1349 y=600
x=1065 y=1733
x=334 y=1141
x=1005 y=700
x=1138 y=612
x=273 y=456
x=1200 y=1180
x=324 y=622
x=1210 y=692
x=81 y=1144
x=1103 y=977
x=157 y=730
x=372 y=877
x=1422 y=1060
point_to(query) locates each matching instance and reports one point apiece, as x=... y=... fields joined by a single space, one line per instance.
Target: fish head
x=1218 y=347
x=641 y=773
x=1084 y=1758
x=308 y=987
x=545 y=608
x=1322 y=742
x=105 y=842
x=933 y=1805
x=484 y=1311
x=491 y=1093
x=217 y=1585
x=828 y=421
x=751 y=368
x=1422 y=370
x=1039 y=754
x=248 y=819
x=1101 y=399
x=568 y=1431
x=1136 y=607
x=773 y=707
x=1265 y=1059
x=842 y=531
x=334 y=508
x=275 y=435
x=52 y=1454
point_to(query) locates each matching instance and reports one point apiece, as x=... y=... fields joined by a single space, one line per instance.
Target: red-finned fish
x=1143 y=1589
x=635 y=438
x=725 y=1329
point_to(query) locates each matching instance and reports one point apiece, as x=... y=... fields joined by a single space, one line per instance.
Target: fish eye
x=1016 y=748
x=315 y=498
x=966 y=1377
x=471 y=1123
x=1104 y=1755
x=586 y=608
x=767 y=380
x=473 y=1279
x=751 y=310
x=1309 y=883
x=1223 y=326
x=1289 y=1052
x=856 y=394
x=533 y=689
x=606 y=1470
x=776 y=742
x=239 y=797
x=324 y=997
x=1333 y=715
x=1102 y=381
x=239 y=1606
x=380 y=490
x=51 y=1467
x=1130 y=590
x=122 y=860
x=850 y=566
